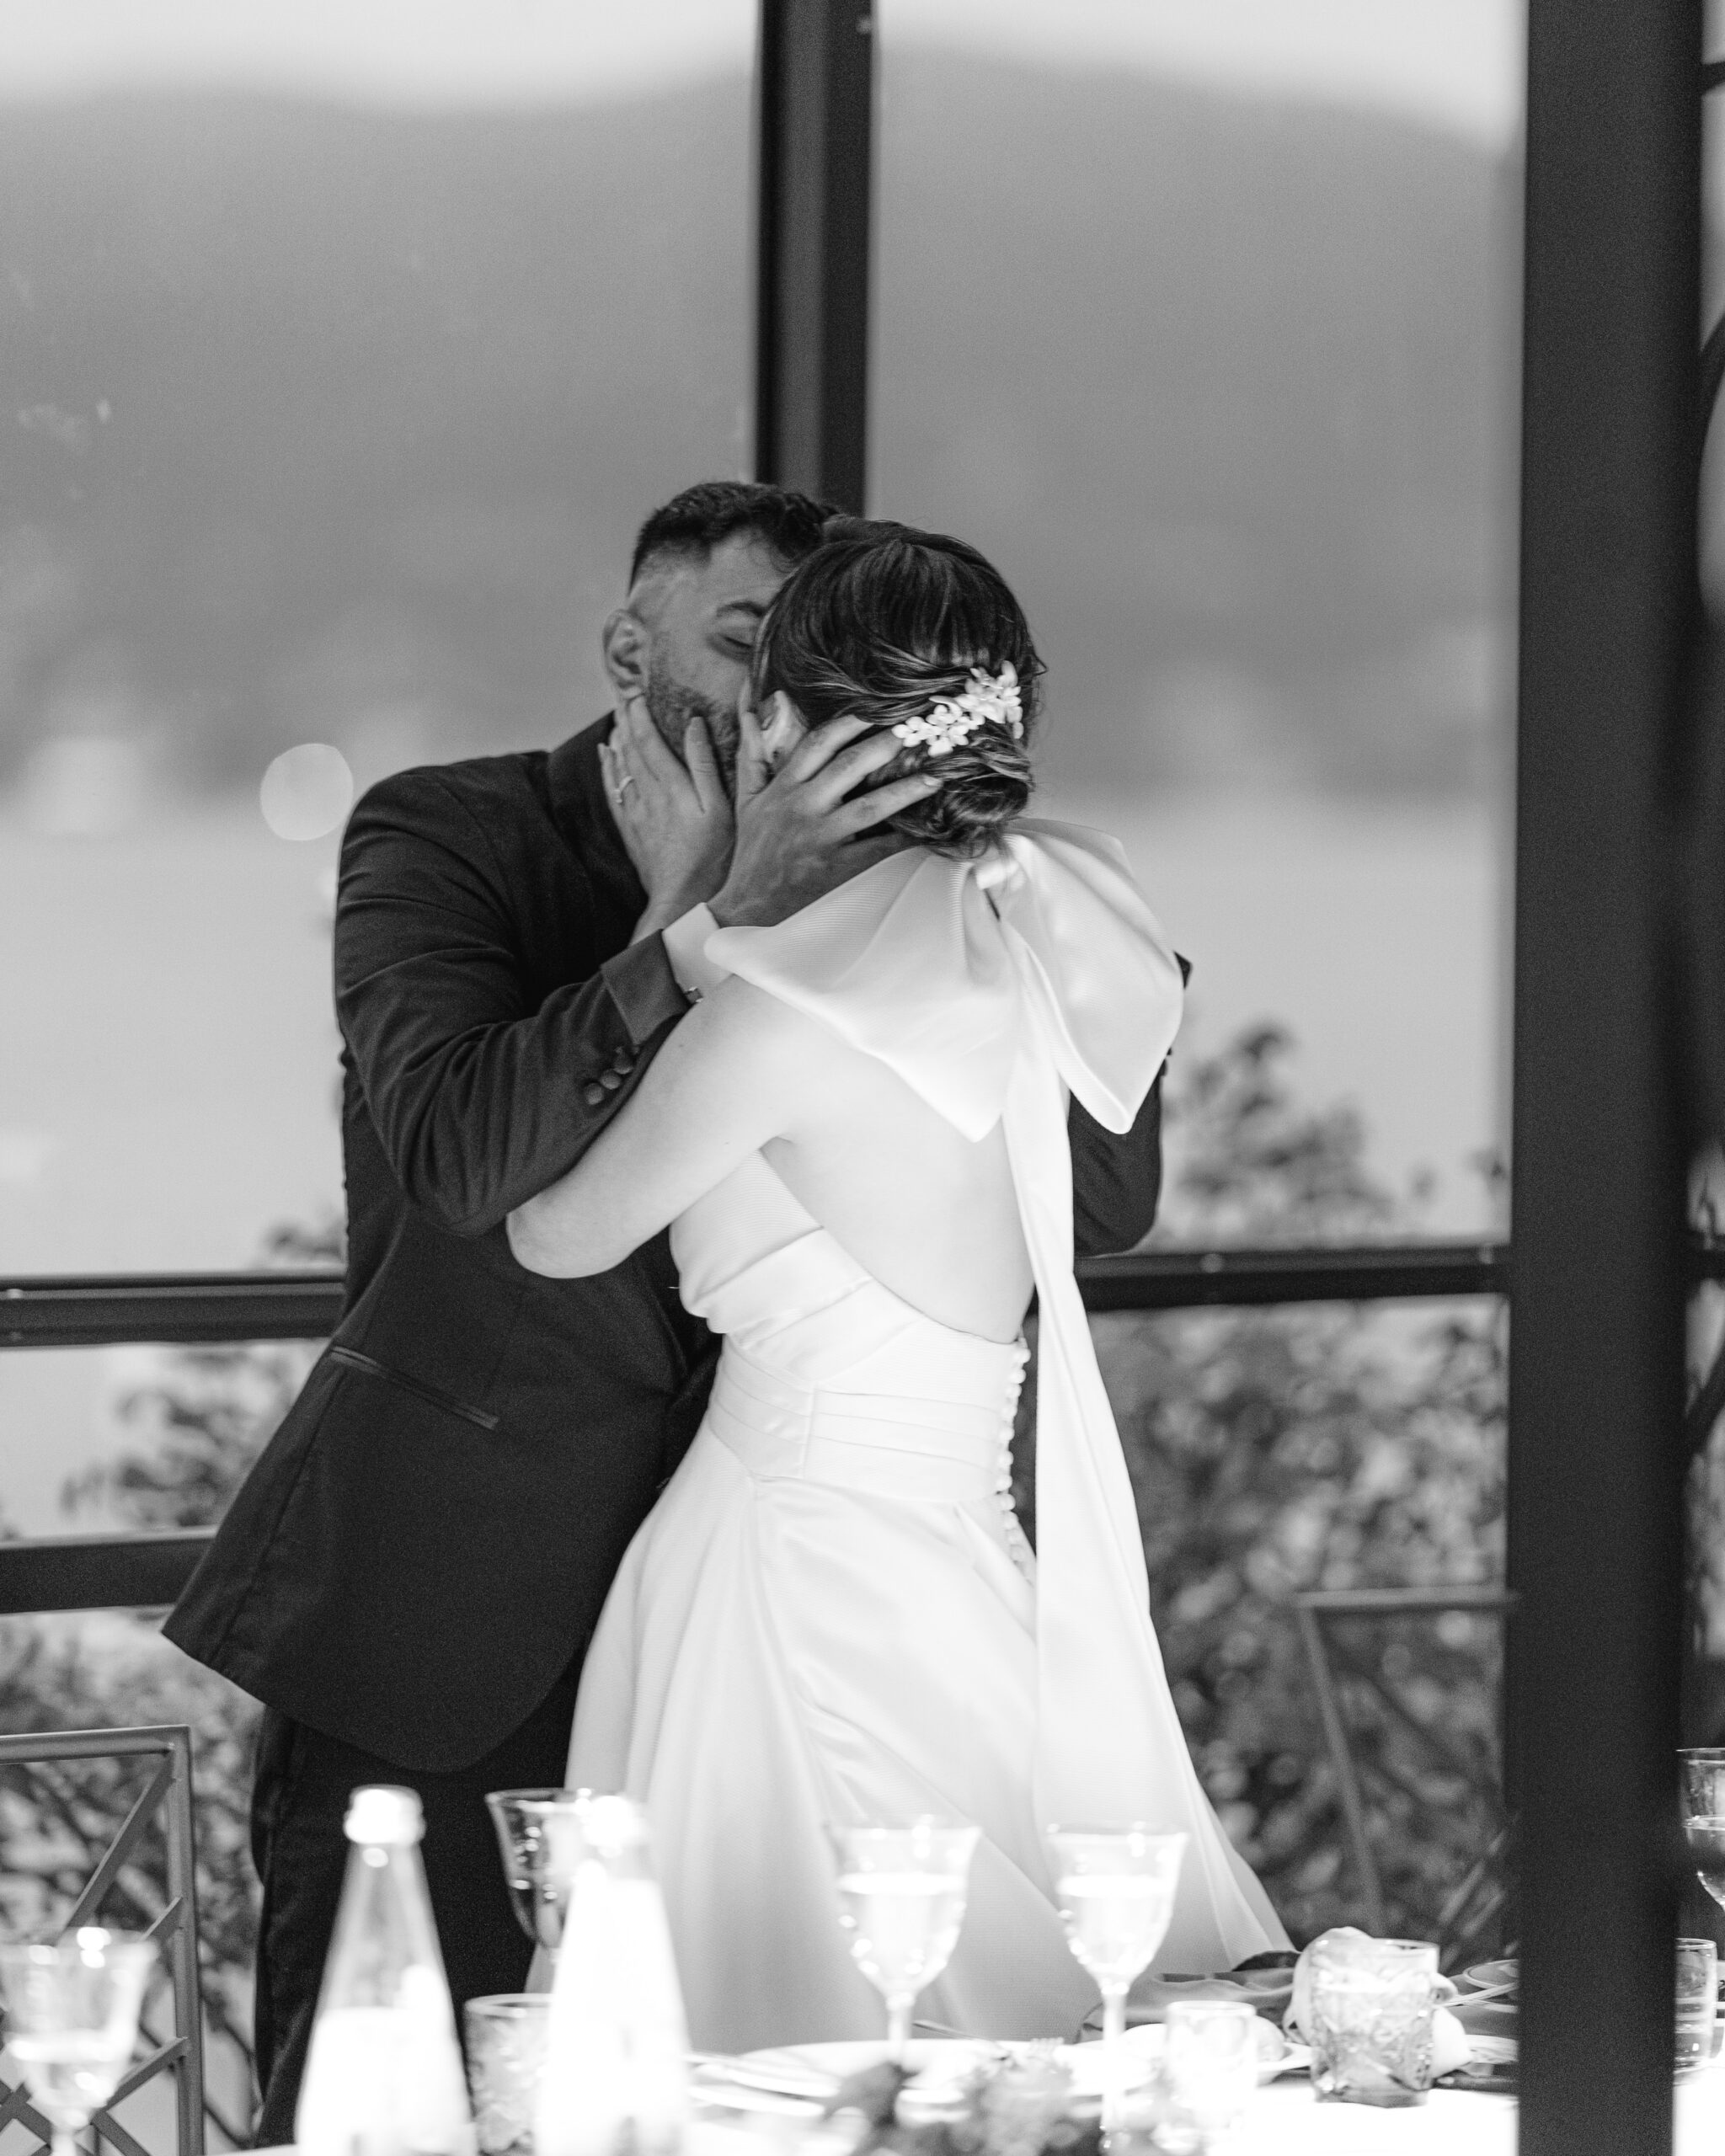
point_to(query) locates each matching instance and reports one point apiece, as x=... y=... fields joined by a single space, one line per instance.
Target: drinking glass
x=1369 y=2024
x=1209 y=2071
x=1698 y=1999
x=1116 y=1887
x=532 y=1837
x=901 y=1898
x=506 y=2033
x=1704 y=1814
x=72 y=2020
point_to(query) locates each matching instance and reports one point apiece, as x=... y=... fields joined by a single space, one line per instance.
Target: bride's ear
x=782 y=727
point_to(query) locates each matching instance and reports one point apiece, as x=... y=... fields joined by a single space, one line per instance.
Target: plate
x=1491 y=1976
x=813 y=2071
x=796 y=2079
x=713 y=2091
x=1147 y=2041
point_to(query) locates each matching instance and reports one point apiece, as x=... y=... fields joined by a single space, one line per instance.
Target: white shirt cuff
x=685 y=947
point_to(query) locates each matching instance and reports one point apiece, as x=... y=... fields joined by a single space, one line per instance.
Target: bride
x=859 y=1138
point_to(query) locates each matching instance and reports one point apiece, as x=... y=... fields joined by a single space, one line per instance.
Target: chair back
x=171 y=1919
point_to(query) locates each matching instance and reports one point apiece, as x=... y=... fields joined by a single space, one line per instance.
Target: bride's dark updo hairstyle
x=880 y=621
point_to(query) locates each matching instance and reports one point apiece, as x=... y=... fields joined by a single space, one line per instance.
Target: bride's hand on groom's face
x=804 y=828
x=675 y=817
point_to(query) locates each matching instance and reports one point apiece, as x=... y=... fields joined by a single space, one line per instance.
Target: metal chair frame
x=167 y=1791
x=1313 y=1612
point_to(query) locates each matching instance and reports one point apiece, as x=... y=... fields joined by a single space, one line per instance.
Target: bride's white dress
x=831 y=1616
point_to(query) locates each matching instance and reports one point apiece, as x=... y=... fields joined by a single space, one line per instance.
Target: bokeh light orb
x=307 y=791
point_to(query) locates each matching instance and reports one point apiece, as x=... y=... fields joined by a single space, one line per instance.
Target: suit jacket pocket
x=434 y=1395
x=439 y=1316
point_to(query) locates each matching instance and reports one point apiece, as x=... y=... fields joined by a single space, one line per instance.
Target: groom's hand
x=803 y=829
x=674 y=818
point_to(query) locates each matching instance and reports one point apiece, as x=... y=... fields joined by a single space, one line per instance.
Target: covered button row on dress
x=1017 y=1542
x=594 y=1090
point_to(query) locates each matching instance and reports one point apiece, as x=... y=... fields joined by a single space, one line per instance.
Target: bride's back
x=931 y=1215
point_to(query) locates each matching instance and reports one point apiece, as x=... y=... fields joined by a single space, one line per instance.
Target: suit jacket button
x=611 y=1079
x=593 y=1095
x=623 y=1061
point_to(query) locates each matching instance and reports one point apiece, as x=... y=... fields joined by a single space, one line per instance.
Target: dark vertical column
x=814 y=88
x=1596 y=1367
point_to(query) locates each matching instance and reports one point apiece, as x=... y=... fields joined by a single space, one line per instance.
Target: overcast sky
x=1456 y=62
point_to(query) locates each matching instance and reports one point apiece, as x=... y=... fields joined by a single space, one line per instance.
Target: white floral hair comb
x=988 y=699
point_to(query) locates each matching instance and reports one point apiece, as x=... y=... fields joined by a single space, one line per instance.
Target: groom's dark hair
x=702 y=517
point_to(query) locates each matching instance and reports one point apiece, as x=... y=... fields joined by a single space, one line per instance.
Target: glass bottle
x=616 y=2080
x=383 y=2077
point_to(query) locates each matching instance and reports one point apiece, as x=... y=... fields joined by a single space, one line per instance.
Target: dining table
x=1286 y=2119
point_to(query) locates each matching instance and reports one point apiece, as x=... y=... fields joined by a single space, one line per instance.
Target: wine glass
x=1116 y=1887
x=72 y=2020
x=901 y=1898
x=533 y=1839
x=1704 y=1814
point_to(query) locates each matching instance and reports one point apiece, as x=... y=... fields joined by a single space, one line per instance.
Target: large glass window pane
x=345 y=346
x=1201 y=318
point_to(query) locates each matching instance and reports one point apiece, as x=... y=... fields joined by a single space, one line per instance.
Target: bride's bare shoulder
x=749 y=1029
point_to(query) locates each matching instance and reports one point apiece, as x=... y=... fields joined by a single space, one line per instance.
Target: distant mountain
x=333 y=423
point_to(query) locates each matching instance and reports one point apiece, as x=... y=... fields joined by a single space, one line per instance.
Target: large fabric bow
x=996 y=988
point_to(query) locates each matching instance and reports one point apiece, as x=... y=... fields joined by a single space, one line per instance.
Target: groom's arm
x=480 y=1093
x=1116 y=1179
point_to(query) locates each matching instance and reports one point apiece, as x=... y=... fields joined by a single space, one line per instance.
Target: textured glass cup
x=1371 y=2020
x=1697 y=2000
x=506 y=2058
x=528 y=1829
x=72 y=2020
x=902 y=1891
x=1209 y=2073
x=1116 y=1887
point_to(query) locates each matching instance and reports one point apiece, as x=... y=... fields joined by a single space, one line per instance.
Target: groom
x=410 y=1576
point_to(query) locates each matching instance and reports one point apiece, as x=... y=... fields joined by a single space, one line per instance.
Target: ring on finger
x=626 y=781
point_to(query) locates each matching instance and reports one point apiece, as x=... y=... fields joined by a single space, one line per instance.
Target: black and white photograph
x=861 y=1077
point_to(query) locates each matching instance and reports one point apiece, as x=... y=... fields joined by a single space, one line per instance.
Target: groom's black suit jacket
x=424 y=1547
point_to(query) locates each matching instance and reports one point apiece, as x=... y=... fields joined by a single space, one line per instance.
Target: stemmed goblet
x=1704 y=1814
x=901 y=1898
x=72 y=2012
x=533 y=1835
x=1116 y=1887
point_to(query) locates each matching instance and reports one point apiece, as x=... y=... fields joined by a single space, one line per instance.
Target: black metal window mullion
x=1596 y=1370
x=815 y=99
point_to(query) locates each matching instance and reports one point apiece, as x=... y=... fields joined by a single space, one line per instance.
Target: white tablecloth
x=1287 y=2120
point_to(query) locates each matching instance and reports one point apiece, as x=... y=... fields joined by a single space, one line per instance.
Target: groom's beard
x=671 y=706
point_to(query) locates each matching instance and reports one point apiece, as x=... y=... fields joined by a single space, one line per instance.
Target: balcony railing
x=107 y=1571
x=105 y=1310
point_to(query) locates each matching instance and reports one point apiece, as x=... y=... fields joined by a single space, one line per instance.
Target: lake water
x=168 y=1053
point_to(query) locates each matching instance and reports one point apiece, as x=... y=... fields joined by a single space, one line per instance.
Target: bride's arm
x=725 y=1082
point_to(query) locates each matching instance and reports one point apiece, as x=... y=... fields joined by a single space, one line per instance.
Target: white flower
x=988 y=699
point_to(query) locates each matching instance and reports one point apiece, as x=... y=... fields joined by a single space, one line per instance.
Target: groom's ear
x=624 y=646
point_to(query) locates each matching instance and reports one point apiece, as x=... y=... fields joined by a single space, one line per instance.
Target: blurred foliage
x=1331 y=1445
x=1315 y=1446
x=193 y=1433
x=108 y=1670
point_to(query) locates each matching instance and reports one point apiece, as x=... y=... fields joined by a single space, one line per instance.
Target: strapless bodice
x=828 y=1376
